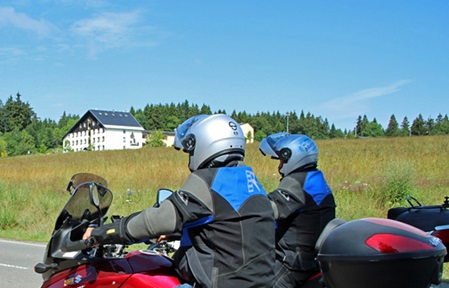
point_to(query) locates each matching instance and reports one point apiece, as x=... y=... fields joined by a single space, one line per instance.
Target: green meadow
x=367 y=176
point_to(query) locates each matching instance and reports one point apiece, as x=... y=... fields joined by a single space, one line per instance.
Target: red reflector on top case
x=390 y=243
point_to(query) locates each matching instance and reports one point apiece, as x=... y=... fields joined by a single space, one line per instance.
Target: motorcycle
x=70 y=261
x=434 y=219
x=368 y=252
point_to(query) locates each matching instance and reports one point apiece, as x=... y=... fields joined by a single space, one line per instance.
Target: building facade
x=104 y=130
x=248 y=131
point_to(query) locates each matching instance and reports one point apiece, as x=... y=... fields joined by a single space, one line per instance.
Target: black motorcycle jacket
x=227 y=225
x=303 y=205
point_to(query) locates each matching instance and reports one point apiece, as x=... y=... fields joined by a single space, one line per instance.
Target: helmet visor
x=268 y=144
x=183 y=129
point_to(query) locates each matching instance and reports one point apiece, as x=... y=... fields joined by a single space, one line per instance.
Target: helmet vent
x=189 y=143
x=285 y=154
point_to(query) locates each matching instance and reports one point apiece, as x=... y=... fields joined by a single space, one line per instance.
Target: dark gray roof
x=108 y=118
x=115 y=118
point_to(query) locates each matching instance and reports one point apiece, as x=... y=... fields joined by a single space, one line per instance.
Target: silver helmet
x=293 y=150
x=210 y=140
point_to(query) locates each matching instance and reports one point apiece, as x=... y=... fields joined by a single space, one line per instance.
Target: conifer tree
x=16 y=114
x=405 y=127
x=393 y=127
x=419 y=126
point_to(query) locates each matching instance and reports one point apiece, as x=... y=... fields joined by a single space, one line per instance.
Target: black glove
x=114 y=233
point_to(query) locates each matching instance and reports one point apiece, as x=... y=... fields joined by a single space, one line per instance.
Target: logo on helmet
x=233 y=126
x=308 y=146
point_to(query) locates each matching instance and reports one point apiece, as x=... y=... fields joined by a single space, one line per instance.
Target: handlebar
x=77 y=245
x=70 y=246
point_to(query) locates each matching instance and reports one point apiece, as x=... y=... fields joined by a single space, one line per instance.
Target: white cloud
x=111 y=30
x=357 y=103
x=9 y=17
x=10 y=55
x=11 y=52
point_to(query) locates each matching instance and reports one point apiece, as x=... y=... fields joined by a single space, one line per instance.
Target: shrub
x=397 y=183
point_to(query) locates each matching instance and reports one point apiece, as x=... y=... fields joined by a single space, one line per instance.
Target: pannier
x=433 y=219
x=377 y=252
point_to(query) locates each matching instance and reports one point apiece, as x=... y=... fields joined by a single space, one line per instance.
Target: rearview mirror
x=94 y=195
x=162 y=194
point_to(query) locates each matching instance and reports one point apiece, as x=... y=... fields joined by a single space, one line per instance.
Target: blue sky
x=334 y=59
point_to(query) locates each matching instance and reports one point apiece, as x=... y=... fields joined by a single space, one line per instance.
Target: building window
x=124 y=139
x=124 y=131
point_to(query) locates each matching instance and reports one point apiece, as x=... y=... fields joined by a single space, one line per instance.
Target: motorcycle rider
x=224 y=214
x=303 y=204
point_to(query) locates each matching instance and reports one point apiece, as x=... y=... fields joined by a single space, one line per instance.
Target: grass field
x=368 y=176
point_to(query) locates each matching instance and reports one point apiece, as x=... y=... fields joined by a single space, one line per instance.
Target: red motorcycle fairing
x=151 y=263
x=148 y=281
x=137 y=269
x=101 y=274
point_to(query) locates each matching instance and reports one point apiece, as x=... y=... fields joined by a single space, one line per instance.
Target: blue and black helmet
x=294 y=151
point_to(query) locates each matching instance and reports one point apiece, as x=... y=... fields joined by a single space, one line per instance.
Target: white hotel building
x=104 y=130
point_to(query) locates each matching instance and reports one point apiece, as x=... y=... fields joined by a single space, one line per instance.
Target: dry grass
x=32 y=187
x=360 y=172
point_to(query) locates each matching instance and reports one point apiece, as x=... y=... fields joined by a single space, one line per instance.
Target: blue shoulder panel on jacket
x=236 y=184
x=185 y=240
x=317 y=186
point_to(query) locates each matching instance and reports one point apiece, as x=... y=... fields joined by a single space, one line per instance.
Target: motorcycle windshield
x=80 y=178
x=80 y=205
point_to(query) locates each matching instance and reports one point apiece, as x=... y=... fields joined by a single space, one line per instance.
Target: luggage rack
x=409 y=199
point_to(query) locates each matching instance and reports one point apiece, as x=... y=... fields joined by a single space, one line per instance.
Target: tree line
x=167 y=117
x=23 y=132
